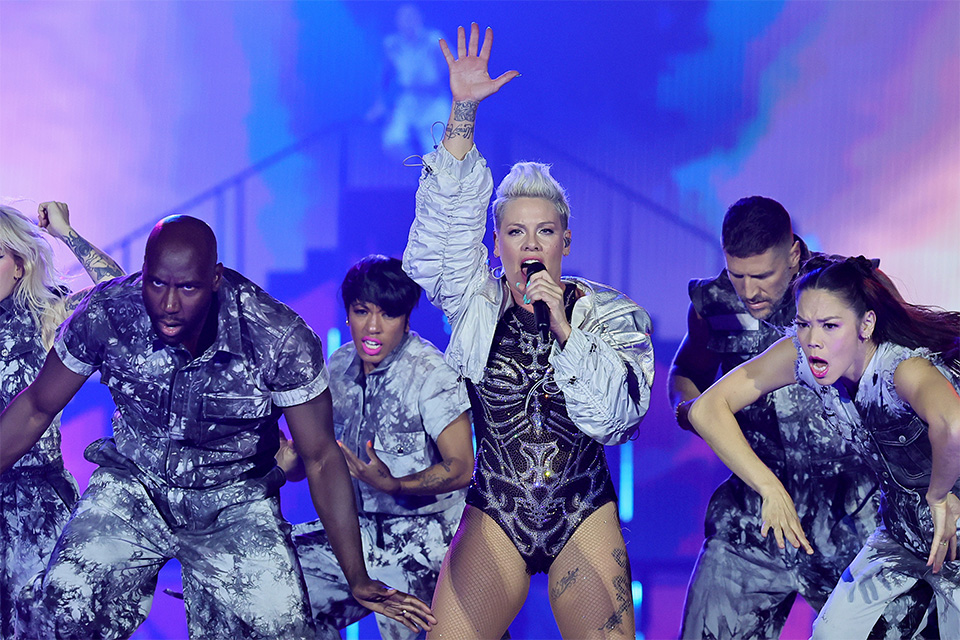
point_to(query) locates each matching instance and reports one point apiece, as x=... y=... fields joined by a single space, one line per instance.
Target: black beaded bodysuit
x=537 y=475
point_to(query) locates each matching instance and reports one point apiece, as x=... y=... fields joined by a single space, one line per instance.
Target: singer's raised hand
x=470 y=82
x=469 y=74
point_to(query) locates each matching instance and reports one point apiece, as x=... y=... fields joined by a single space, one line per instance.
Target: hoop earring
x=498 y=272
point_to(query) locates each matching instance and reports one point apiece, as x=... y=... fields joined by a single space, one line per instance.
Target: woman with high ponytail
x=887 y=375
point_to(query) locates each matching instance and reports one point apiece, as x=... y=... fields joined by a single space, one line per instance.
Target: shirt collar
x=355 y=370
x=6 y=305
x=15 y=316
x=228 y=319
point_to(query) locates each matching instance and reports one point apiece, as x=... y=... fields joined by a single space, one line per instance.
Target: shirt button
x=903 y=438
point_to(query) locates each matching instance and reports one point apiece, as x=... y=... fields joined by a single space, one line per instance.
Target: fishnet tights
x=590 y=585
x=483 y=582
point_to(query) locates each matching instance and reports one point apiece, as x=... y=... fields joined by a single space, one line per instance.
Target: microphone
x=540 y=310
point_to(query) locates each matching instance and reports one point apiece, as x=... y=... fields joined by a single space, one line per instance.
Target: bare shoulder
x=913 y=375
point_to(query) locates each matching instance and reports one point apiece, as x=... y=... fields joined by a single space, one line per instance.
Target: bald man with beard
x=201 y=363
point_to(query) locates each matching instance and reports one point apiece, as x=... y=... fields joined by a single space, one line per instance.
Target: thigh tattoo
x=621 y=587
x=564 y=583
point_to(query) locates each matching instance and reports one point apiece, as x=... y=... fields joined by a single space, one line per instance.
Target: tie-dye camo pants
x=35 y=503
x=744 y=593
x=883 y=570
x=240 y=575
x=405 y=552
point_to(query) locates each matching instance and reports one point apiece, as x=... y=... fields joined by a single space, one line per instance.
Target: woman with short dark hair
x=399 y=413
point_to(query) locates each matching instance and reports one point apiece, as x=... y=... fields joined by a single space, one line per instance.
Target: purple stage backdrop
x=286 y=125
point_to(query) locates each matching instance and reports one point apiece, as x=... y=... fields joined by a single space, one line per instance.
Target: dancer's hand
x=54 y=217
x=780 y=515
x=289 y=460
x=402 y=607
x=945 y=514
x=375 y=473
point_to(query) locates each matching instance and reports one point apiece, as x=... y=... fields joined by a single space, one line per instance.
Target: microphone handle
x=542 y=315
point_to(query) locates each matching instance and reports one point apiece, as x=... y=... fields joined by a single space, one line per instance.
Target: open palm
x=469 y=75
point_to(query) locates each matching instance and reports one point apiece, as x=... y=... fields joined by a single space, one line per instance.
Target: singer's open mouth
x=527 y=264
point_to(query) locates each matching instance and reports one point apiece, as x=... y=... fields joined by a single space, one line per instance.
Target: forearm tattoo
x=98 y=265
x=464 y=131
x=435 y=483
x=465 y=111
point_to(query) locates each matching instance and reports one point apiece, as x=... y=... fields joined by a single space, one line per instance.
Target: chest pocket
x=224 y=415
x=17 y=350
x=142 y=400
x=404 y=452
x=742 y=344
x=24 y=357
x=18 y=367
x=906 y=449
x=732 y=332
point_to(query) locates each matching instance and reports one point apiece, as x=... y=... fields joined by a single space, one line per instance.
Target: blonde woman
x=37 y=493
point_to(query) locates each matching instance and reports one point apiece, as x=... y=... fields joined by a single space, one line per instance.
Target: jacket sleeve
x=445 y=253
x=606 y=374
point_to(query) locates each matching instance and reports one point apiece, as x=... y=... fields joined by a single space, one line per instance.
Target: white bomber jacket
x=605 y=370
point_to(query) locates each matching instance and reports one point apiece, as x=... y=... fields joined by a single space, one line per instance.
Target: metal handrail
x=628 y=192
x=219 y=191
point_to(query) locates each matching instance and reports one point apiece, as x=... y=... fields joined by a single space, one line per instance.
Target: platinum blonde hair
x=531 y=180
x=40 y=290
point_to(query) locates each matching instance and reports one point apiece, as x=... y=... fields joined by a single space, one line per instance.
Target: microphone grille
x=532 y=267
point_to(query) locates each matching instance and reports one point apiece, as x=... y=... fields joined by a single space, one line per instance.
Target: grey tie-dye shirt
x=21 y=356
x=203 y=422
x=890 y=437
x=403 y=406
